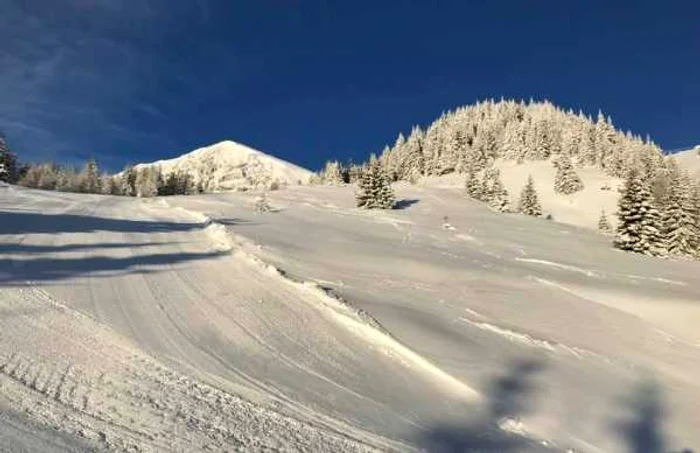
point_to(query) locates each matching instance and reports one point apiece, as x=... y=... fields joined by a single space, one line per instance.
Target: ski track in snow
x=567 y=267
x=360 y=323
x=530 y=341
x=268 y=378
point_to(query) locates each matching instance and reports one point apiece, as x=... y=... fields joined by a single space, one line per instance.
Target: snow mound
x=229 y=165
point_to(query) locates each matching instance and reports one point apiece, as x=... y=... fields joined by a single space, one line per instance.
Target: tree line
x=135 y=181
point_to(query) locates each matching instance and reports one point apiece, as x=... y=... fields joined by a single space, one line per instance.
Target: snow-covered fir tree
x=8 y=162
x=529 y=203
x=566 y=180
x=147 y=179
x=332 y=174
x=90 y=180
x=603 y=223
x=354 y=173
x=128 y=181
x=499 y=200
x=695 y=212
x=473 y=185
x=476 y=135
x=639 y=221
x=374 y=189
x=678 y=216
x=410 y=161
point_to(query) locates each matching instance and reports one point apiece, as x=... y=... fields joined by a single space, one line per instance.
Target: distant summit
x=689 y=160
x=229 y=165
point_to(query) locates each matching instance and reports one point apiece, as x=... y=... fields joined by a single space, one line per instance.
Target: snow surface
x=194 y=324
x=232 y=166
x=690 y=161
x=581 y=208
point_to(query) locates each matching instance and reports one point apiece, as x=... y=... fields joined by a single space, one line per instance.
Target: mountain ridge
x=228 y=165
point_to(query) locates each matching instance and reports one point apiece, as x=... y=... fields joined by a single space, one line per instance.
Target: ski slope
x=193 y=324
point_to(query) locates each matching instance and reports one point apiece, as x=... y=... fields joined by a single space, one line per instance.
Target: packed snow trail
x=502 y=334
x=605 y=326
x=160 y=277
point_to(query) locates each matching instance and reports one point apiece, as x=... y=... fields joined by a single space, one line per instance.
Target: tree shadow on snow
x=508 y=398
x=36 y=249
x=44 y=262
x=16 y=222
x=643 y=431
x=405 y=203
x=18 y=271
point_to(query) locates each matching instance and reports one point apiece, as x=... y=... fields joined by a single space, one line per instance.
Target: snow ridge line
x=356 y=320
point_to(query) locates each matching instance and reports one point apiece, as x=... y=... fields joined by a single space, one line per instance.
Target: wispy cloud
x=69 y=66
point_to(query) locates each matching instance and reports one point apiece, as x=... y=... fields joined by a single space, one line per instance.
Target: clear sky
x=137 y=80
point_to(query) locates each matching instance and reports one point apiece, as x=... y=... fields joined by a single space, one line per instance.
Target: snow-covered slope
x=581 y=208
x=194 y=324
x=231 y=166
x=690 y=161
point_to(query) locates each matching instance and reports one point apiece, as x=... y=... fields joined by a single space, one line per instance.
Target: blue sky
x=311 y=80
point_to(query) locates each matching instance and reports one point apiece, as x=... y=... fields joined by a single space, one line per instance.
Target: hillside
x=581 y=208
x=690 y=161
x=231 y=166
x=193 y=324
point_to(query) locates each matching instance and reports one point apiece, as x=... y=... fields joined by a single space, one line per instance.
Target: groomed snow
x=194 y=324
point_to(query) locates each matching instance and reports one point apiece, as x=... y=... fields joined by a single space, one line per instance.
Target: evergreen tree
x=354 y=173
x=603 y=223
x=8 y=162
x=529 y=203
x=695 y=212
x=374 y=190
x=678 y=219
x=473 y=185
x=128 y=181
x=639 y=222
x=499 y=200
x=90 y=181
x=411 y=163
x=566 y=180
x=147 y=182
x=332 y=174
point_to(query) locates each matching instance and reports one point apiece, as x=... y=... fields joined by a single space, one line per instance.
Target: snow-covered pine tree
x=354 y=173
x=128 y=181
x=695 y=211
x=566 y=180
x=603 y=223
x=332 y=174
x=8 y=162
x=529 y=203
x=678 y=218
x=90 y=181
x=499 y=200
x=639 y=221
x=513 y=146
x=412 y=163
x=374 y=189
x=147 y=182
x=473 y=185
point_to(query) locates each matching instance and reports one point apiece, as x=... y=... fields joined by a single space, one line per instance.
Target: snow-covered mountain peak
x=228 y=165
